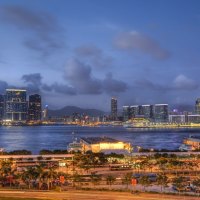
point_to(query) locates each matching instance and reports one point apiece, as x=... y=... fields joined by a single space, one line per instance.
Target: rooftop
x=96 y=140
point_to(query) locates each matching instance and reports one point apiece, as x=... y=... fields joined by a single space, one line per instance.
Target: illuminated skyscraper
x=114 y=108
x=1 y=107
x=161 y=112
x=16 y=106
x=126 y=113
x=45 y=113
x=197 y=106
x=35 y=108
x=134 y=110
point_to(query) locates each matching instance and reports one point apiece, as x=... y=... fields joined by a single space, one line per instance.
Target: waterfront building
x=126 y=113
x=35 y=107
x=114 y=108
x=177 y=119
x=161 y=112
x=193 y=119
x=147 y=111
x=197 y=106
x=99 y=144
x=193 y=142
x=16 y=106
x=45 y=113
x=134 y=111
x=1 y=107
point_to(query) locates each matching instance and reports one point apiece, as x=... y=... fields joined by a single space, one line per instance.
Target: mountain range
x=70 y=110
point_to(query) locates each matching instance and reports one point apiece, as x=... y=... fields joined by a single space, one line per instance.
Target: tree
x=179 y=183
x=76 y=178
x=95 y=178
x=29 y=175
x=40 y=171
x=50 y=174
x=7 y=170
x=144 y=181
x=127 y=179
x=110 y=180
x=162 y=180
x=196 y=183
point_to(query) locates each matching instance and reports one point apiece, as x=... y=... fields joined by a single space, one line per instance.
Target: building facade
x=177 y=119
x=193 y=119
x=45 y=112
x=161 y=112
x=197 y=106
x=16 y=106
x=35 y=107
x=126 y=113
x=1 y=107
x=101 y=144
x=114 y=108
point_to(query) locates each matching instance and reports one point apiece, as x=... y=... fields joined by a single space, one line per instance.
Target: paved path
x=93 y=195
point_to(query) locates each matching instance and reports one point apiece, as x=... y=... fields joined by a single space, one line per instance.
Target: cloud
x=59 y=88
x=32 y=78
x=185 y=83
x=80 y=77
x=35 y=84
x=3 y=86
x=181 y=82
x=63 y=89
x=95 y=55
x=41 y=29
x=135 y=41
x=111 y=85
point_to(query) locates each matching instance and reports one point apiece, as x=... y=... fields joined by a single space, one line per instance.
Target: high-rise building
x=134 y=110
x=146 y=111
x=126 y=113
x=45 y=112
x=35 y=107
x=114 y=108
x=1 y=107
x=161 y=112
x=16 y=106
x=197 y=106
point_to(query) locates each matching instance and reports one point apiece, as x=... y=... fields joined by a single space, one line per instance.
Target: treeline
x=17 y=152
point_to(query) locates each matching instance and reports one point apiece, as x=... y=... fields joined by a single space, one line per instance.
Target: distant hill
x=69 y=110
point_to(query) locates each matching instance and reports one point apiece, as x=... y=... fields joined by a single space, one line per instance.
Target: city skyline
x=141 y=52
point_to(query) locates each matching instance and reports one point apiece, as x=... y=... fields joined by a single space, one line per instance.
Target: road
x=96 y=195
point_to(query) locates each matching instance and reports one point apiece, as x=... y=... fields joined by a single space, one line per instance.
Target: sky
x=83 y=52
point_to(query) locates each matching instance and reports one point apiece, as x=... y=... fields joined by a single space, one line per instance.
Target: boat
x=185 y=147
x=74 y=146
x=191 y=143
x=136 y=123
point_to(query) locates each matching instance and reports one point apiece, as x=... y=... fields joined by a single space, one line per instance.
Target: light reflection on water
x=36 y=138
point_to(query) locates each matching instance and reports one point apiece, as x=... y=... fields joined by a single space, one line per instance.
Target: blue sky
x=82 y=52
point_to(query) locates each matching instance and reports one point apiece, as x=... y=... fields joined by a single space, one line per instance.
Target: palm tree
x=127 y=179
x=50 y=174
x=162 y=180
x=40 y=172
x=178 y=182
x=29 y=175
x=196 y=183
x=76 y=178
x=110 y=180
x=144 y=181
x=95 y=178
x=7 y=170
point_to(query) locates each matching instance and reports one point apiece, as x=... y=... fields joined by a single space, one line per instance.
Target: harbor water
x=35 y=138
